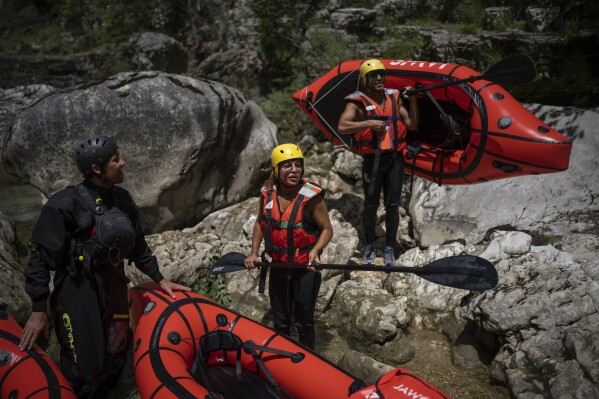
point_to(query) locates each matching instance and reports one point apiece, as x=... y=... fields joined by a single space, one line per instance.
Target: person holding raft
x=378 y=120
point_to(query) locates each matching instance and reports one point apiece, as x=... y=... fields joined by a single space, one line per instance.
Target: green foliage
x=574 y=85
x=402 y=49
x=469 y=29
x=400 y=43
x=67 y=26
x=491 y=57
x=103 y=21
x=278 y=106
x=214 y=286
x=470 y=13
x=281 y=28
x=325 y=48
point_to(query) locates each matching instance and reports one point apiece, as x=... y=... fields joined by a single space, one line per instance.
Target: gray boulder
x=555 y=204
x=190 y=145
x=159 y=52
x=363 y=366
x=353 y=19
x=545 y=310
x=239 y=67
x=541 y=19
x=497 y=18
x=12 y=292
x=14 y=99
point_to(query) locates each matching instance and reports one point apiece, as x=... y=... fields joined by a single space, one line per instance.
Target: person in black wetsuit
x=84 y=234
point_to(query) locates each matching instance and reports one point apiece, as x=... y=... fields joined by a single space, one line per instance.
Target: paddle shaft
x=334 y=266
x=460 y=271
x=441 y=85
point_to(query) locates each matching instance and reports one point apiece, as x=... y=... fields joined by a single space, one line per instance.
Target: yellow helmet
x=369 y=66
x=284 y=152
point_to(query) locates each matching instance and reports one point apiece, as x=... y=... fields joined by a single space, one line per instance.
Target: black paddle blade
x=513 y=70
x=465 y=272
x=228 y=263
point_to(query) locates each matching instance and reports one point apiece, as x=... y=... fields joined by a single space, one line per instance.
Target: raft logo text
x=409 y=392
x=66 y=320
x=420 y=64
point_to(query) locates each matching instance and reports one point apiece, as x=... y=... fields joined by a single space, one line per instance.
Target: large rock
x=159 y=52
x=11 y=273
x=556 y=204
x=545 y=308
x=14 y=99
x=186 y=256
x=191 y=146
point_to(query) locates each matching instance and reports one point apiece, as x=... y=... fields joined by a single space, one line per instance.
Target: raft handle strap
x=250 y=347
x=197 y=364
x=295 y=357
x=445 y=118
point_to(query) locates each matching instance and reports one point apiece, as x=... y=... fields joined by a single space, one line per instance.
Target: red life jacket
x=288 y=237
x=366 y=142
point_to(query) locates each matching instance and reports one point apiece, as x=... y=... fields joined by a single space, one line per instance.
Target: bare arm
x=411 y=119
x=353 y=120
x=319 y=213
x=256 y=241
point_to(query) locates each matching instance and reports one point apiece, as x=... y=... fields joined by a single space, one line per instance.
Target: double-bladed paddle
x=512 y=70
x=466 y=272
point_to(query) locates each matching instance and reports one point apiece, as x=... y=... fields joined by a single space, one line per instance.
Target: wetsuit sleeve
x=37 y=278
x=141 y=254
x=51 y=241
x=145 y=261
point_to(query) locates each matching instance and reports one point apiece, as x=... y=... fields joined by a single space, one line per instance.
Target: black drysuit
x=89 y=299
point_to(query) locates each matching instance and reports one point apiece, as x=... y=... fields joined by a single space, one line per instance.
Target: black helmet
x=93 y=150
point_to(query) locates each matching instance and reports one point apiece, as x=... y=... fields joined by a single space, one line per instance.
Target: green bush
x=213 y=286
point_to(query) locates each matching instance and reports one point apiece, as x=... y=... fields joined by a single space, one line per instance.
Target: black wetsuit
x=389 y=177
x=89 y=300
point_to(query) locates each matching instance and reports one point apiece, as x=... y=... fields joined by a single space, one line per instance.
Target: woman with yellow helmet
x=377 y=119
x=294 y=223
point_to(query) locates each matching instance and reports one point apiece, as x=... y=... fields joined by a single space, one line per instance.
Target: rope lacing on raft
x=313 y=106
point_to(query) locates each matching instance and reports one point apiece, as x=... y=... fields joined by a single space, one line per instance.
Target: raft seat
x=229 y=381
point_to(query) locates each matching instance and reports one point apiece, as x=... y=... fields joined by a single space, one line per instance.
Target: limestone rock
x=191 y=146
x=550 y=203
x=11 y=273
x=159 y=52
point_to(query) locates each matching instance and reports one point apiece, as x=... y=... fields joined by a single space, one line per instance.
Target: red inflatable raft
x=27 y=374
x=192 y=347
x=493 y=137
